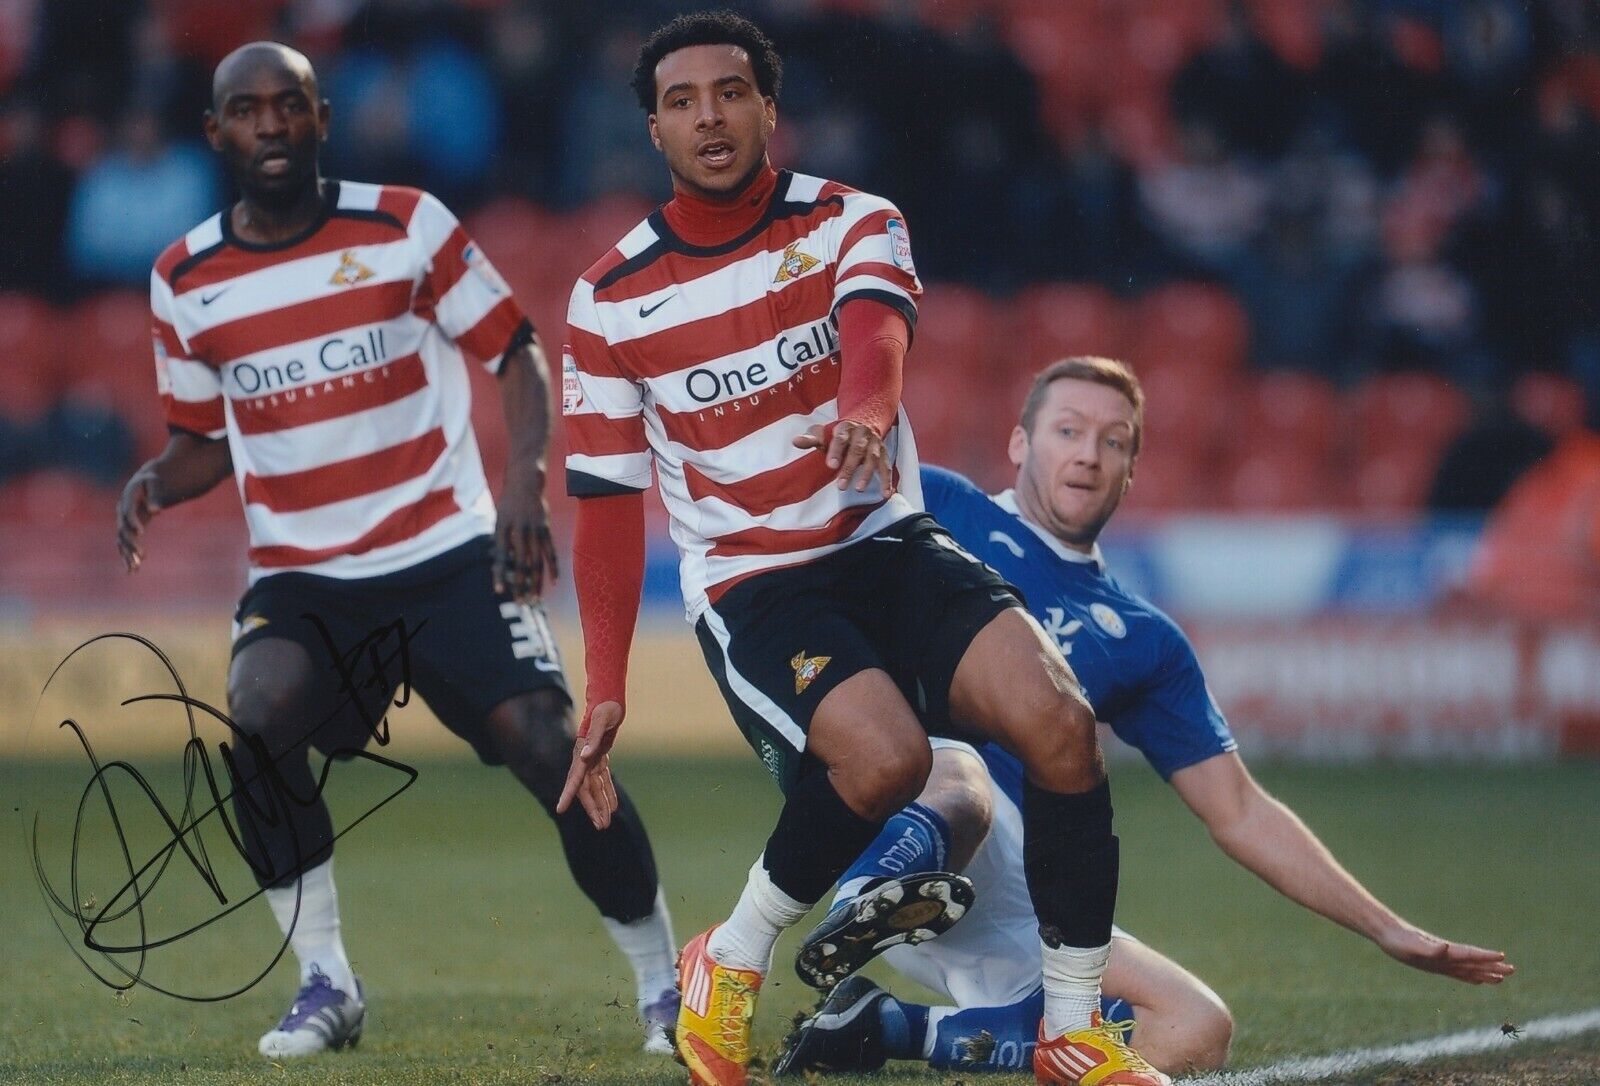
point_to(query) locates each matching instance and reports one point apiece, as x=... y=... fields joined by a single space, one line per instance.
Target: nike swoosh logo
x=643 y=312
x=207 y=301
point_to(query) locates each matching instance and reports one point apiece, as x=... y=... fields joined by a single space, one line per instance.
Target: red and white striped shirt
x=332 y=363
x=709 y=361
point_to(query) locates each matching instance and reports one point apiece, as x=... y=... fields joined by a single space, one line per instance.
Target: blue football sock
x=905 y=1029
x=989 y=1038
x=915 y=840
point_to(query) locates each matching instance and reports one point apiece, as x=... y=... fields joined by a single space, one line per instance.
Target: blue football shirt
x=1137 y=668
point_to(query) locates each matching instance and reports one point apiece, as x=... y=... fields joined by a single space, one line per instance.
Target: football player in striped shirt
x=1075 y=448
x=310 y=341
x=743 y=345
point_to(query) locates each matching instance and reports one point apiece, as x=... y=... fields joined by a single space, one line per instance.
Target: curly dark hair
x=722 y=27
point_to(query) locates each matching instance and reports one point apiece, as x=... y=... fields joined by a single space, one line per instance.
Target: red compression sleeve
x=872 y=341
x=608 y=572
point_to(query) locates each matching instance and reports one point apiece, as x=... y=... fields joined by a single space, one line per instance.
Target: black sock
x=1070 y=857
x=817 y=837
x=614 y=867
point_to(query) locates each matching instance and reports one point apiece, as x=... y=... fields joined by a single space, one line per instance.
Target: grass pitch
x=485 y=965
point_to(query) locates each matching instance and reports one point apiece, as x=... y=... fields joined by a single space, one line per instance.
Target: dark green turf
x=485 y=965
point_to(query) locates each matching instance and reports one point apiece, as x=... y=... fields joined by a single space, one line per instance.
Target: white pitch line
x=1467 y=1043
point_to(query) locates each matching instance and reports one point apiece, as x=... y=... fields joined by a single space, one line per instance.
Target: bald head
x=246 y=63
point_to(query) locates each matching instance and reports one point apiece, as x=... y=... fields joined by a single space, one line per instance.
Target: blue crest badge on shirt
x=1108 y=620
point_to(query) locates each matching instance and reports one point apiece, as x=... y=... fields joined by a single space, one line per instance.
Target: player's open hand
x=589 y=779
x=524 y=553
x=134 y=510
x=1429 y=953
x=855 y=451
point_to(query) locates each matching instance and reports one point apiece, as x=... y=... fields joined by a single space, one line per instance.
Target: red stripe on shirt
x=719 y=426
x=336 y=397
x=335 y=236
x=760 y=494
x=168 y=336
x=357 y=477
x=760 y=540
x=694 y=342
x=595 y=434
x=198 y=416
x=874 y=222
x=399 y=201
x=311 y=319
x=489 y=338
x=891 y=272
x=399 y=526
x=672 y=268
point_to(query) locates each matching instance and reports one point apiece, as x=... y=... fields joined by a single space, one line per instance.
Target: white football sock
x=1072 y=985
x=745 y=940
x=315 y=936
x=648 y=944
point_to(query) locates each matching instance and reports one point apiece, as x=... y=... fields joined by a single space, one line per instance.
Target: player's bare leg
x=870 y=758
x=1182 y=1025
x=614 y=867
x=271 y=685
x=1012 y=686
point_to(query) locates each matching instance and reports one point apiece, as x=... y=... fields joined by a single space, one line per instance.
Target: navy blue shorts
x=438 y=628
x=908 y=601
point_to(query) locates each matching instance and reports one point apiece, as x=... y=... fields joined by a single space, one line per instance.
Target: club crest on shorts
x=248 y=623
x=350 y=270
x=794 y=263
x=806 y=669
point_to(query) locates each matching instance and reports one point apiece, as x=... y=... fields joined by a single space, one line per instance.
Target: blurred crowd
x=1322 y=204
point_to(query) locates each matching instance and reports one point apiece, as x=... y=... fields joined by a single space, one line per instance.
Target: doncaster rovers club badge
x=350 y=270
x=806 y=668
x=794 y=263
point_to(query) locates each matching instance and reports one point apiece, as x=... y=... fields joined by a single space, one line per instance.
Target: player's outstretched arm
x=1265 y=836
x=188 y=467
x=524 y=553
x=608 y=572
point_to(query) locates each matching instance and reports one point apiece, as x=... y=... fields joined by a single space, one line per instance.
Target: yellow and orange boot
x=1097 y=1056
x=713 y=1034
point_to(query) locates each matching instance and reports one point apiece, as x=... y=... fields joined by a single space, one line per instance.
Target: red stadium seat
x=30 y=342
x=1288 y=410
x=1167 y=480
x=1190 y=326
x=1187 y=413
x=1056 y=320
x=1394 y=479
x=1550 y=401
x=1281 y=479
x=1407 y=410
x=112 y=362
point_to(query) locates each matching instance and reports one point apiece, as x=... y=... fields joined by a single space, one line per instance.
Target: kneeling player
x=1075 y=450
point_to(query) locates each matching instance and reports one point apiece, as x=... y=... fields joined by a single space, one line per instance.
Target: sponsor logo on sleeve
x=900 y=246
x=473 y=258
x=571 y=386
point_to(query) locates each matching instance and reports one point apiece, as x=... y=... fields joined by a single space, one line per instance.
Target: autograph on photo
x=379 y=662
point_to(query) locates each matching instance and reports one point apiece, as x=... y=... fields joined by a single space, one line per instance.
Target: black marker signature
x=268 y=803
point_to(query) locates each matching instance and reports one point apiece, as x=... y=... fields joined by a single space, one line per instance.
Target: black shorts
x=908 y=600
x=438 y=628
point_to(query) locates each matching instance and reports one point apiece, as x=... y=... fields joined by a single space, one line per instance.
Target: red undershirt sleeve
x=608 y=573
x=873 y=337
